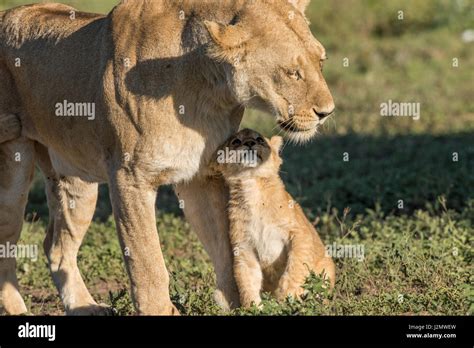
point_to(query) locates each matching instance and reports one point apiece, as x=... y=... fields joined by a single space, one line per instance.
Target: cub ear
x=301 y=5
x=227 y=40
x=276 y=143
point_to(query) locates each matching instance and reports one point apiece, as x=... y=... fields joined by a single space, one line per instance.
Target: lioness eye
x=236 y=142
x=321 y=62
x=295 y=74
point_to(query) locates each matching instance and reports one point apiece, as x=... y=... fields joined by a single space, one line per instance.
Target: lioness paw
x=94 y=310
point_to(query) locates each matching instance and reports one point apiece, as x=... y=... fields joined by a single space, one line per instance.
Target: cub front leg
x=133 y=201
x=248 y=275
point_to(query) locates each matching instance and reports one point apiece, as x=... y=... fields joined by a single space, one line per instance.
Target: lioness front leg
x=133 y=202
x=205 y=201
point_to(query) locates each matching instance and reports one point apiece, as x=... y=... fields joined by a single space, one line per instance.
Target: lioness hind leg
x=10 y=127
x=71 y=203
x=16 y=172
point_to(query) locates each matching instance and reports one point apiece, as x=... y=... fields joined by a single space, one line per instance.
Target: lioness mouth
x=289 y=126
x=297 y=134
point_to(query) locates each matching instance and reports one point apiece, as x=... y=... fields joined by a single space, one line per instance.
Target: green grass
x=417 y=264
x=418 y=259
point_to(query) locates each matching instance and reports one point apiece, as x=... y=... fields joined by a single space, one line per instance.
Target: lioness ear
x=228 y=40
x=276 y=143
x=301 y=5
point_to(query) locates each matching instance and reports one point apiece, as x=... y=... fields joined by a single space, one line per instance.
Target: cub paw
x=295 y=292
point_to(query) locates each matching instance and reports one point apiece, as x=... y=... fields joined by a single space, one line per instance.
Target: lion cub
x=275 y=246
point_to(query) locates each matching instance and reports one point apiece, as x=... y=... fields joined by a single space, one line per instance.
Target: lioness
x=275 y=246
x=168 y=82
x=10 y=128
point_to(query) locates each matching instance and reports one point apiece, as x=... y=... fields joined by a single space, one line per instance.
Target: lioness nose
x=323 y=113
x=250 y=143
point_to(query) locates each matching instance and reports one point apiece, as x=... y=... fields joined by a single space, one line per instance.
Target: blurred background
x=425 y=57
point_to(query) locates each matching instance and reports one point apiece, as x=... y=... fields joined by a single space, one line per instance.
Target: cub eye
x=236 y=142
x=260 y=140
x=295 y=75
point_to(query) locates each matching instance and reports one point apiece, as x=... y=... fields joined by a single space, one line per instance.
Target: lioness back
x=36 y=21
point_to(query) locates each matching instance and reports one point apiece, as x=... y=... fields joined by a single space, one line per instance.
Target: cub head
x=249 y=152
x=275 y=64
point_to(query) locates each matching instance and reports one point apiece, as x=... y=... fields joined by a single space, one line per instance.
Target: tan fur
x=275 y=246
x=167 y=90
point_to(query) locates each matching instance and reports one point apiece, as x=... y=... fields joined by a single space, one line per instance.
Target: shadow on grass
x=356 y=171
x=361 y=172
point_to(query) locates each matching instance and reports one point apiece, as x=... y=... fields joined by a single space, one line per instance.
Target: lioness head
x=249 y=152
x=276 y=64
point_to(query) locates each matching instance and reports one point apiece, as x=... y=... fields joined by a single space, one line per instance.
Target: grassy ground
x=414 y=264
x=418 y=258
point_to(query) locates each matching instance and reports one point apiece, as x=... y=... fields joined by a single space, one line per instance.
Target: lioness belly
x=95 y=171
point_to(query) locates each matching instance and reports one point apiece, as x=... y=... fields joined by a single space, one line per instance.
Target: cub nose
x=250 y=143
